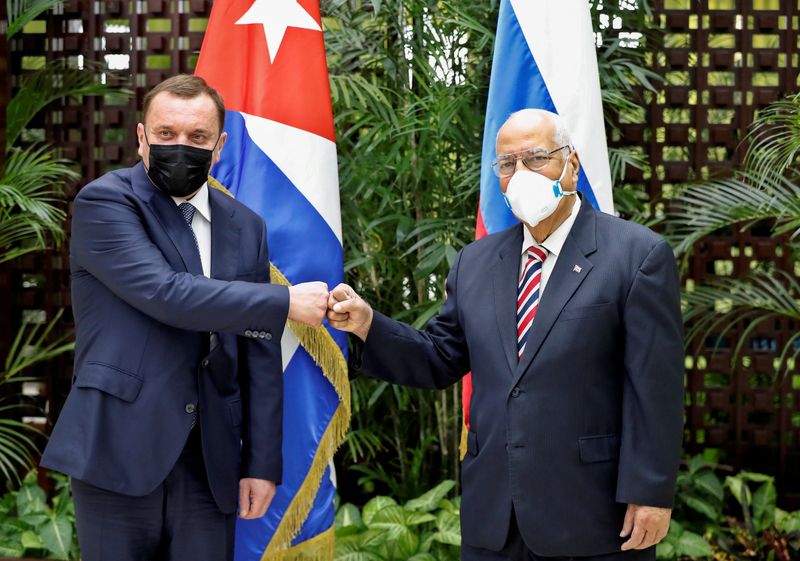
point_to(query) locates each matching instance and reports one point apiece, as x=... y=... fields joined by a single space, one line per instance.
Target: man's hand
x=308 y=302
x=646 y=526
x=254 y=497
x=348 y=312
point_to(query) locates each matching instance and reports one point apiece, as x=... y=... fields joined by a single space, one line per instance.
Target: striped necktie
x=528 y=294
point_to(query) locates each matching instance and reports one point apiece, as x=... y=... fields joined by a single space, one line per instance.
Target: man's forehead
x=201 y=106
x=168 y=111
x=517 y=140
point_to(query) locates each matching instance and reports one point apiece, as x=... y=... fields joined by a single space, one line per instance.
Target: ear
x=574 y=167
x=140 y=137
x=218 y=152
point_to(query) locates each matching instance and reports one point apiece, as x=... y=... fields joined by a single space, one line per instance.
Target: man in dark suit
x=175 y=414
x=571 y=326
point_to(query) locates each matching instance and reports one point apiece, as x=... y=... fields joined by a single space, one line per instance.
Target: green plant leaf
x=711 y=484
x=347 y=531
x=30 y=540
x=430 y=500
x=702 y=506
x=12 y=526
x=373 y=506
x=422 y=557
x=787 y=522
x=31 y=500
x=9 y=548
x=372 y=538
x=764 y=506
x=347 y=515
x=448 y=527
x=693 y=545
x=56 y=535
x=350 y=549
x=414 y=518
x=665 y=550
x=756 y=477
x=400 y=539
x=737 y=487
x=35 y=519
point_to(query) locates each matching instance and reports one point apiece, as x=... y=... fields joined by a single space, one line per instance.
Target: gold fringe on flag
x=326 y=354
x=462 y=446
x=320 y=547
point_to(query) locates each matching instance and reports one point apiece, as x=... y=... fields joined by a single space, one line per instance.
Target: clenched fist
x=308 y=302
x=348 y=312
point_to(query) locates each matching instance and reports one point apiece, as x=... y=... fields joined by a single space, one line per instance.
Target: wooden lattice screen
x=722 y=61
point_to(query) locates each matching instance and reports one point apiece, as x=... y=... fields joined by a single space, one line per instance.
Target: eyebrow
x=169 y=128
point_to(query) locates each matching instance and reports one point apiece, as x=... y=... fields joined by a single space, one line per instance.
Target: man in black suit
x=175 y=414
x=571 y=326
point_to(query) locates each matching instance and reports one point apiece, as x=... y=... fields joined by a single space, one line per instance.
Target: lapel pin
x=576 y=269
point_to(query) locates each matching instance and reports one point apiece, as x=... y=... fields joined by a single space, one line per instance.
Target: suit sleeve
x=262 y=377
x=434 y=358
x=111 y=243
x=652 y=416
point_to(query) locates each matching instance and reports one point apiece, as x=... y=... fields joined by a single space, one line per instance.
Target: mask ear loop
x=557 y=190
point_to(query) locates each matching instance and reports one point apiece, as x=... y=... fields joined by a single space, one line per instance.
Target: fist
x=348 y=312
x=308 y=302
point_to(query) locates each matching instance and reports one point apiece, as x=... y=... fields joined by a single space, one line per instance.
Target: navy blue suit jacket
x=591 y=417
x=145 y=362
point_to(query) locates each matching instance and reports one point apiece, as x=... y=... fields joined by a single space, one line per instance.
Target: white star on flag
x=276 y=16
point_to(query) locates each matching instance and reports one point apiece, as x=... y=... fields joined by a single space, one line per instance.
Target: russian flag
x=544 y=58
x=267 y=60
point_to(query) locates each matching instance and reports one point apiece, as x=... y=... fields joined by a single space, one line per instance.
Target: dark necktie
x=187 y=210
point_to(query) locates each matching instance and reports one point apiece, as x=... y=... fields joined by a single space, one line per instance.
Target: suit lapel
x=170 y=218
x=563 y=282
x=225 y=236
x=505 y=280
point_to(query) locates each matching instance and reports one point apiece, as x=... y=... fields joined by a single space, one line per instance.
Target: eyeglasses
x=534 y=159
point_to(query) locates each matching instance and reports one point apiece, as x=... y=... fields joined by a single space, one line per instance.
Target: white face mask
x=532 y=197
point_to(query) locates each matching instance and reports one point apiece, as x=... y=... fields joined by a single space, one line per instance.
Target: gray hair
x=560 y=136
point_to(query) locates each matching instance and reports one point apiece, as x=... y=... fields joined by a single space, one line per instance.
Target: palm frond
x=33 y=345
x=720 y=307
x=21 y=12
x=31 y=213
x=775 y=138
x=16 y=445
x=703 y=208
x=54 y=81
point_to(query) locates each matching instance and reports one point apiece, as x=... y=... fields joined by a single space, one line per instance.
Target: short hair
x=186 y=86
x=560 y=135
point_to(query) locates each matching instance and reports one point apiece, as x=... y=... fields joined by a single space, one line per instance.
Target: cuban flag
x=544 y=58
x=267 y=60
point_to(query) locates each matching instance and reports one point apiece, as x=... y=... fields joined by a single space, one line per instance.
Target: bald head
x=538 y=122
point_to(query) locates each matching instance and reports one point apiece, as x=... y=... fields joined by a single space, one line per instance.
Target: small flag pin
x=577 y=269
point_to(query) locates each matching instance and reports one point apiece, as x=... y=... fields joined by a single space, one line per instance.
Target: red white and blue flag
x=544 y=58
x=267 y=60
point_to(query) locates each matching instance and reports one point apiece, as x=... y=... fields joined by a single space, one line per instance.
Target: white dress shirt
x=201 y=224
x=553 y=244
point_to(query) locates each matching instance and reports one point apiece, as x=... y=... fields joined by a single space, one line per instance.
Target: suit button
x=268 y=336
x=204 y=364
x=190 y=408
x=515 y=392
x=262 y=334
x=248 y=333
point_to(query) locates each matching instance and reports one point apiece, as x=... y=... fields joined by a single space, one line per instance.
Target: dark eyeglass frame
x=522 y=155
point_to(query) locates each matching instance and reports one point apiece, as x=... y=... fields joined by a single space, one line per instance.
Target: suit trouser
x=515 y=549
x=179 y=521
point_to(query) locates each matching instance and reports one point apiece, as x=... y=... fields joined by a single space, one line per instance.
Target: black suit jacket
x=145 y=363
x=591 y=417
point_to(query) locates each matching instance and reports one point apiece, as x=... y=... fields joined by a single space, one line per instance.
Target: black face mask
x=177 y=169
